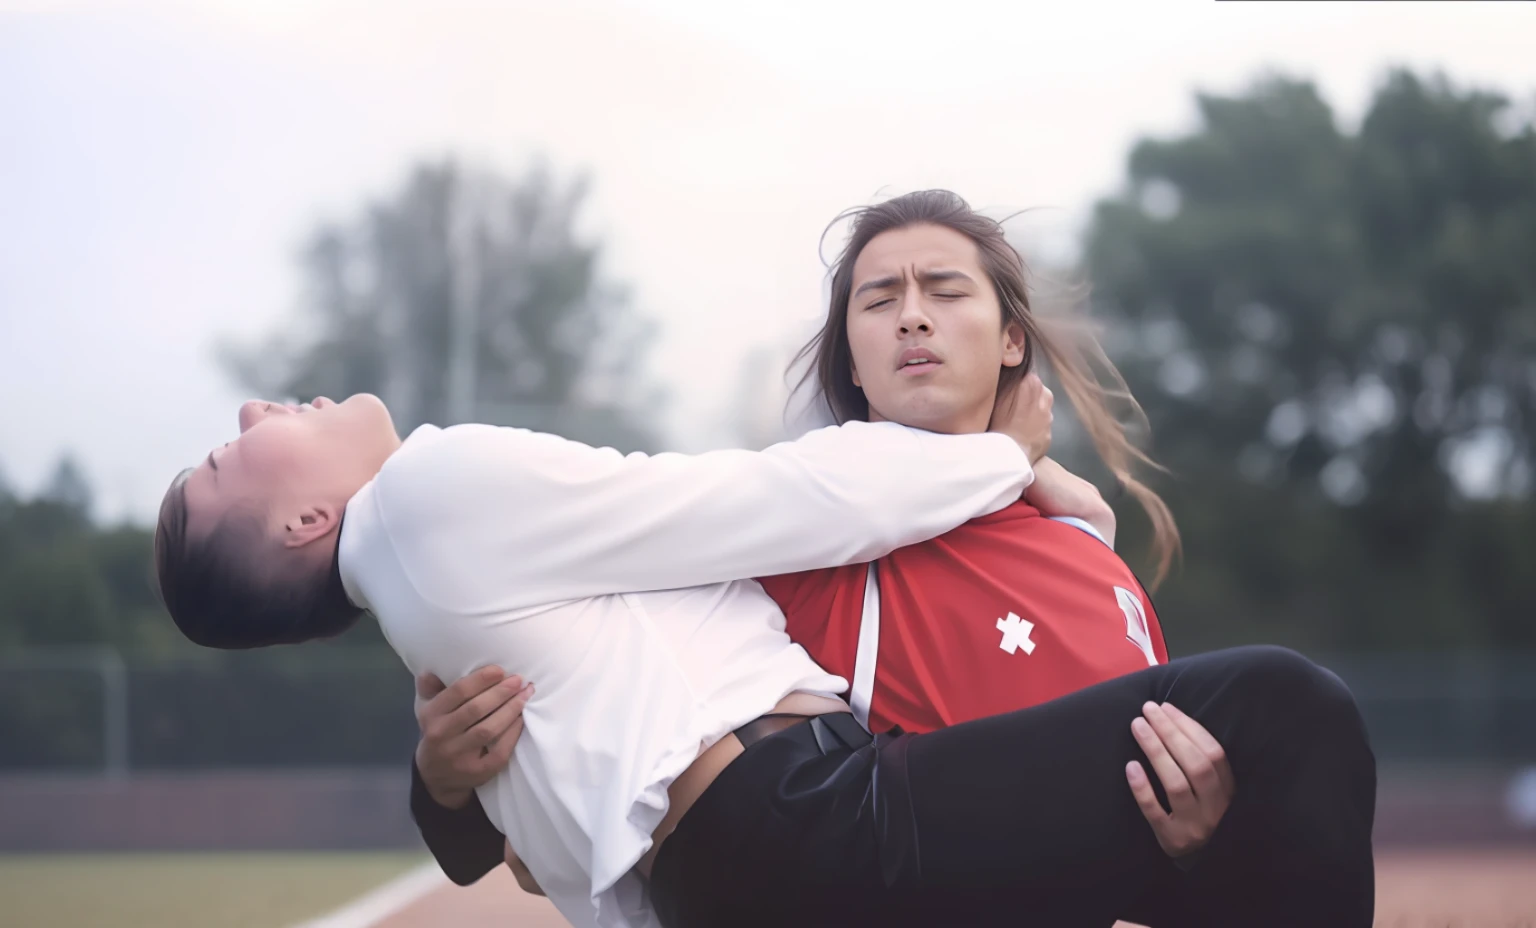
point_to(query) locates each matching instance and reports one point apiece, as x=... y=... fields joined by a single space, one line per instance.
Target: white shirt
x=477 y=545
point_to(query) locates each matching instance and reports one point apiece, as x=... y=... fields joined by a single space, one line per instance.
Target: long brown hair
x=1074 y=355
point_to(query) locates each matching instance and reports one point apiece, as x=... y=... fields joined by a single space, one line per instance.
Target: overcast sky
x=160 y=163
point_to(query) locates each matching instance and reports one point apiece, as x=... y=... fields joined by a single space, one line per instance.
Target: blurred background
x=1307 y=230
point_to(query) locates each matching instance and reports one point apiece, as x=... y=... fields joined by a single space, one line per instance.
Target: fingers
x=499 y=754
x=1030 y=386
x=497 y=722
x=447 y=700
x=497 y=733
x=1032 y=414
x=1023 y=413
x=1034 y=392
x=481 y=706
x=1042 y=400
x=1205 y=741
x=471 y=685
x=1141 y=789
x=1193 y=730
x=1194 y=772
x=1032 y=395
x=1197 y=769
x=1027 y=395
x=436 y=716
x=1002 y=407
x=1175 y=786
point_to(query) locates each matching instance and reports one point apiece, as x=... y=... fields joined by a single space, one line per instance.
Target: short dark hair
x=222 y=593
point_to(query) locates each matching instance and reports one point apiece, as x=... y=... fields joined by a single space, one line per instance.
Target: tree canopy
x=1334 y=336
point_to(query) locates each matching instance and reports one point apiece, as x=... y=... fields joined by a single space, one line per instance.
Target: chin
x=928 y=413
x=372 y=408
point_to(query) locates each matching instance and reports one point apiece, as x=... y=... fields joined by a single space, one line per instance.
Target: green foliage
x=1334 y=337
x=53 y=591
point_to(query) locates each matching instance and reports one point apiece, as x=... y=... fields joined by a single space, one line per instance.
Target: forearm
x=554 y=520
x=463 y=841
x=1060 y=494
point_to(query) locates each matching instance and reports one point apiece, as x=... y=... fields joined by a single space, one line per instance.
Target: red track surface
x=1484 y=889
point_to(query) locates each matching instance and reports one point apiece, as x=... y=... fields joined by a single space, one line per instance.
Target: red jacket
x=1005 y=612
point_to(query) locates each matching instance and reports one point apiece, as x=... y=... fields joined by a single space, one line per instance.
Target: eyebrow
x=927 y=277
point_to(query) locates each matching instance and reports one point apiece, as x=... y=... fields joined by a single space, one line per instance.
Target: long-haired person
x=929 y=321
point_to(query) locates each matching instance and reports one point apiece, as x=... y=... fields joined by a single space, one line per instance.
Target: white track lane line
x=373 y=907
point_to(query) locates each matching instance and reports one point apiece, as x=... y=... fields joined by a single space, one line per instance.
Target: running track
x=1458 y=889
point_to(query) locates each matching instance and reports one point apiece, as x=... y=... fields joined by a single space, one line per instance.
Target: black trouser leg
x=1026 y=817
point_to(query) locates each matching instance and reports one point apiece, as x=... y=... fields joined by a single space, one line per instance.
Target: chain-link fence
x=83 y=710
x=91 y=710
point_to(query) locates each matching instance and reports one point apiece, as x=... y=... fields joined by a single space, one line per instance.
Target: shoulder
x=463 y=460
x=442 y=482
x=430 y=448
x=429 y=451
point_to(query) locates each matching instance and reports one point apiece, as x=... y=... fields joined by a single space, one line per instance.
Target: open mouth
x=916 y=361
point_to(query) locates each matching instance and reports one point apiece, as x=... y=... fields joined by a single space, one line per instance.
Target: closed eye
x=949 y=296
x=879 y=303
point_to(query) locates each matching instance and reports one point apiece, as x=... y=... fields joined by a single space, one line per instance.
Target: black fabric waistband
x=832 y=730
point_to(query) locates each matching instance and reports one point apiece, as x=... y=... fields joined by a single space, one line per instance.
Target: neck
x=335 y=589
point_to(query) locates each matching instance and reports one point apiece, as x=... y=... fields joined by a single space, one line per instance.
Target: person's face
x=926 y=331
x=302 y=463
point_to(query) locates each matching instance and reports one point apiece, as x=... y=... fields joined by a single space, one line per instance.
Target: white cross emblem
x=1016 y=634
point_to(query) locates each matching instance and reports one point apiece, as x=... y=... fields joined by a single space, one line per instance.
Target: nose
x=913 y=317
x=257 y=410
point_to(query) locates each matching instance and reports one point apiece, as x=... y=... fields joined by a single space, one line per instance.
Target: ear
x=853 y=369
x=1014 y=340
x=312 y=522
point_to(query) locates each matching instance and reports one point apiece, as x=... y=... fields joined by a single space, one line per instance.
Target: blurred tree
x=10 y=542
x=68 y=489
x=467 y=297
x=55 y=595
x=1334 y=336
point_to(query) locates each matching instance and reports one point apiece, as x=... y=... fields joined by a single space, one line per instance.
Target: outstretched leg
x=1026 y=817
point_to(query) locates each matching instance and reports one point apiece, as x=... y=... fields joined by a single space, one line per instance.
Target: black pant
x=1025 y=818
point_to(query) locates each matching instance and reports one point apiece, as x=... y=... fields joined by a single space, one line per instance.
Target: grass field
x=185 y=890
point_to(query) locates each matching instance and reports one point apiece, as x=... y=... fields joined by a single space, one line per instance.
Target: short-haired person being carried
x=680 y=761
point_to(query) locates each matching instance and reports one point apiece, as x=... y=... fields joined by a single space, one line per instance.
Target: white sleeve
x=554 y=520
